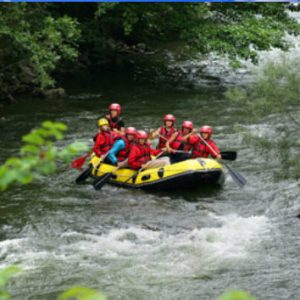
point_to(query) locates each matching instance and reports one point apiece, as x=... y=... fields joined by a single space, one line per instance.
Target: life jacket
x=144 y=155
x=113 y=123
x=200 y=149
x=123 y=154
x=166 y=134
x=108 y=141
x=179 y=143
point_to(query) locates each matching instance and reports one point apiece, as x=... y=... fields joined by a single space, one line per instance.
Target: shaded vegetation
x=39 y=39
x=275 y=92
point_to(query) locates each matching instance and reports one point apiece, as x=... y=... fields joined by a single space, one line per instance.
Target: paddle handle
x=161 y=136
x=237 y=177
x=182 y=151
x=208 y=145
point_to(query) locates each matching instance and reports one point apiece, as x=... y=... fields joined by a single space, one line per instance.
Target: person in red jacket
x=204 y=146
x=118 y=154
x=164 y=132
x=115 y=120
x=181 y=142
x=140 y=154
x=104 y=139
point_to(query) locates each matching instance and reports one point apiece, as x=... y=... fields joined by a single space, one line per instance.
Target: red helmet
x=130 y=130
x=206 y=129
x=169 y=117
x=141 y=134
x=187 y=124
x=115 y=106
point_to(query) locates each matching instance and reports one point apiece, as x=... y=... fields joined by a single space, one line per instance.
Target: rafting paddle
x=100 y=182
x=226 y=155
x=79 y=162
x=236 y=176
x=83 y=176
x=87 y=172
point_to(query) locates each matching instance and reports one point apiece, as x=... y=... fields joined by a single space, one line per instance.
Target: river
x=137 y=245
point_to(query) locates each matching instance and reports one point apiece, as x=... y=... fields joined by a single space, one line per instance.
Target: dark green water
x=134 y=245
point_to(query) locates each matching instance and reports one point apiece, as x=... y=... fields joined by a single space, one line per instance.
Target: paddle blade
x=79 y=162
x=229 y=155
x=83 y=176
x=237 y=177
x=99 y=183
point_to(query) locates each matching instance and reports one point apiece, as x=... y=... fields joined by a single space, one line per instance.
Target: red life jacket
x=123 y=154
x=202 y=150
x=180 y=144
x=166 y=134
x=144 y=155
x=113 y=124
x=108 y=141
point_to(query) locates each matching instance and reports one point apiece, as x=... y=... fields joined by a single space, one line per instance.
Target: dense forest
x=40 y=40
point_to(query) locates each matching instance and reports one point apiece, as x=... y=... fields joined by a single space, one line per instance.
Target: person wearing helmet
x=180 y=141
x=140 y=154
x=118 y=154
x=115 y=120
x=164 y=132
x=104 y=139
x=205 y=146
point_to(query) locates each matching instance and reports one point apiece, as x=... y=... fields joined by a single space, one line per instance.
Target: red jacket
x=140 y=154
x=123 y=154
x=180 y=144
x=200 y=149
x=104 y=142
x=166 y=134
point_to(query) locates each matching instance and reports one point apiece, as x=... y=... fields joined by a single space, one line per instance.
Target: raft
x=190 y=173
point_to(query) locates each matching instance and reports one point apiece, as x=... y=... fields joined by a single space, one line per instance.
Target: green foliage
x=5 y=275
x=276 y=88
x=39 y=155
x=35 y=43
x=236 y=295
x=39 y=37
x=222 y=28
x=81 y=293
x=275 y=91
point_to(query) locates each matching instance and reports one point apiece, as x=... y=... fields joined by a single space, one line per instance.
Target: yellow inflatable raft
x=185 y=174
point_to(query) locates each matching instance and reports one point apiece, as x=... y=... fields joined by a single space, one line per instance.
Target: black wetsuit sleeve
x=121 y=123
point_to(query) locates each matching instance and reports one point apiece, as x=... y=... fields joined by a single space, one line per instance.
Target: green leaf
x=8 y=178
x=236 y=295
x=50 y=154
x=47 y=168
x=32 y=138
x=30 y=149
x=4 y=295
x=13 y=162
x=7 y=273
x=56 y=125
x=81 y=293
x=72 y=150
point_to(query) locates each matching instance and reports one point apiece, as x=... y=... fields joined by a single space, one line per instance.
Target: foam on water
x=189 y=253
